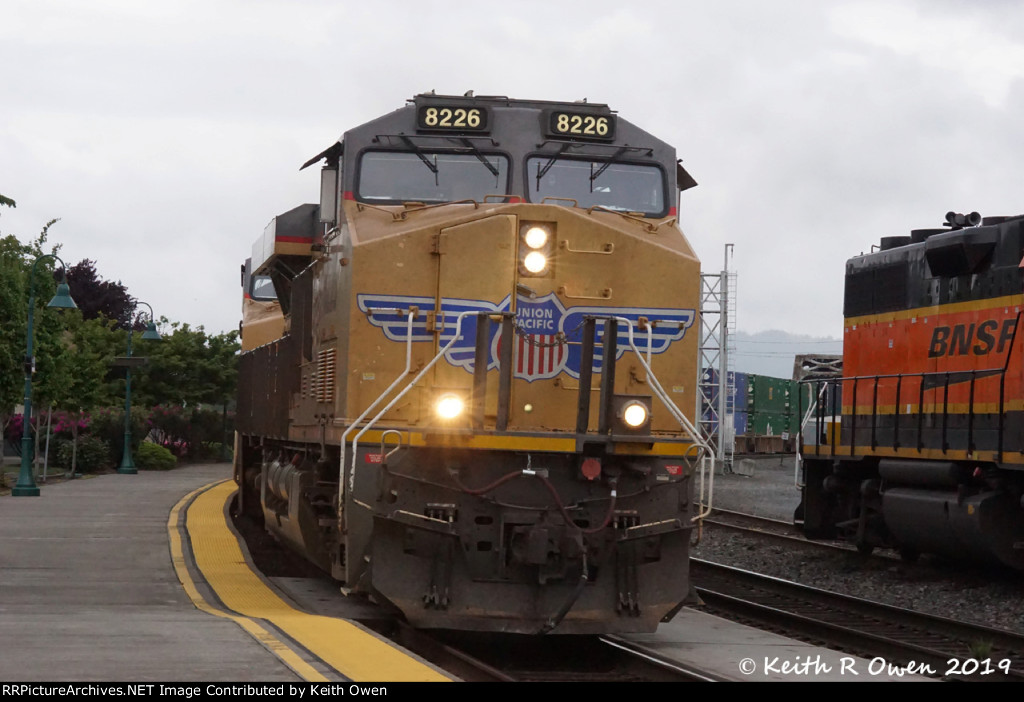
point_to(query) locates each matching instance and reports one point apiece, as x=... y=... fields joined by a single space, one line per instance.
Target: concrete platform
x=94 y=587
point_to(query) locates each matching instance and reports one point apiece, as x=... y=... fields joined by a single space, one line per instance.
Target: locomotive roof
x=520 y=127
x=983 y=261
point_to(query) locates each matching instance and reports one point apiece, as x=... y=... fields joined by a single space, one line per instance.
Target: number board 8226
x=455 y=118
x=581 y=125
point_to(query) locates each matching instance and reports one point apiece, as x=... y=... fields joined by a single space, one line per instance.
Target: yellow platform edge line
x=353 y=651
x=269 y=641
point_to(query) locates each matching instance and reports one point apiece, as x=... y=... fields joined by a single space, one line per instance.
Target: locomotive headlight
x=634 y=415
x=536 y=237
x=536 y=241
x=449 y=406
x=535 y=262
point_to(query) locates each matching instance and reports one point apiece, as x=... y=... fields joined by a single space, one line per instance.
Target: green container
x=768 y=423
x=767 y=394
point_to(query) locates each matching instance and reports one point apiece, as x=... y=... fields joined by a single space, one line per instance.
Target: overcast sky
x=166 y=135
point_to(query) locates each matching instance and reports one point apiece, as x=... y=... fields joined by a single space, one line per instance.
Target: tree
x=17 y=262
x=97 y=297
x=188 y=367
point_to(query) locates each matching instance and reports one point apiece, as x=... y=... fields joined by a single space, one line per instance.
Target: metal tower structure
x=716 y=381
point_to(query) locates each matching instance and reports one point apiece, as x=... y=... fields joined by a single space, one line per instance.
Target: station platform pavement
x=99 y=582
x=136 y=578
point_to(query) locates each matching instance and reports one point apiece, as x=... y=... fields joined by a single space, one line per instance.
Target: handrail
x=353 y=425
x=400 y=395
x=945 y=375
x=652 y=380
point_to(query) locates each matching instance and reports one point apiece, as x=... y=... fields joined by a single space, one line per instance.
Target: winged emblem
x=548 y=336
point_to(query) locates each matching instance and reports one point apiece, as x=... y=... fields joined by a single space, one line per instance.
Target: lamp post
x=127 y=465
x=26 y=486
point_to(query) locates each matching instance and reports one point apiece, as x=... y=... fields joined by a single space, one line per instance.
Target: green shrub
x=93 y=455
x=154 y=457
x=108 y=424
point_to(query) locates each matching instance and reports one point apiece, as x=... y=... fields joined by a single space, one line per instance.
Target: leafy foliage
x=74 y=350
x=100 y=298
x=93 y=454
x=154 y=457
x=188 y=367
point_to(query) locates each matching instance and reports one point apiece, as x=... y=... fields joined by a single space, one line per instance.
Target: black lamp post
x=26 y=486
x=127 y=466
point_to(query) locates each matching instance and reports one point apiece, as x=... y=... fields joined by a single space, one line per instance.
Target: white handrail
x=798 y=462
x=353 y=425
x=705 y=449
x=412 y=383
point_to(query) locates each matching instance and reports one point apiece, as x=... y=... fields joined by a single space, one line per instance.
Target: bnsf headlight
x=449 y=406
x=535 y=262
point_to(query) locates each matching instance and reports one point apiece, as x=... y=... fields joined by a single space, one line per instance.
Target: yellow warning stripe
x=345 y=646
x=1006 y=301
x=287 y=656
x=525 y=443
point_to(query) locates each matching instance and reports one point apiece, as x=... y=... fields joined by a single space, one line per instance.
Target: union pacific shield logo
x=539 y=351
x=548 y=336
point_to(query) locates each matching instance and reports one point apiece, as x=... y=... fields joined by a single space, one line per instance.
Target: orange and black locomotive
x=920 y=446
x=480 y=409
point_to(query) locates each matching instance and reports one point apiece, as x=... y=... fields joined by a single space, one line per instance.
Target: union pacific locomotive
x=920 y=446
x=472 y=414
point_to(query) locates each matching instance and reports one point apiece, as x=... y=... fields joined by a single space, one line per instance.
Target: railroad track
x=775 y=529
x=480 y=657
x=923 y=643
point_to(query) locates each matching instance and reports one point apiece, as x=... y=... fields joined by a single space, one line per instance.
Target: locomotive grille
x=323 y=381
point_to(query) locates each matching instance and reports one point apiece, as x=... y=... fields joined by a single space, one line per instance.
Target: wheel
x=865 y=549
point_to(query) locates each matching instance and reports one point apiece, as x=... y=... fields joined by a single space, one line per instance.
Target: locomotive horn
x=955 y=219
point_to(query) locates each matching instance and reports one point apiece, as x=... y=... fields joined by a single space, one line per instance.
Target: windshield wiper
x=611 y=159
x=547 y=166
x=422 y=156
x=483 y=159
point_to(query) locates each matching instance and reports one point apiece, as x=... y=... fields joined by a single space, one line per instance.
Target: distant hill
x=772 y=352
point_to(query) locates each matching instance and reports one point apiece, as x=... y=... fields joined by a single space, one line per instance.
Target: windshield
x=426 y=176
x=262 y=288
x=618 y=186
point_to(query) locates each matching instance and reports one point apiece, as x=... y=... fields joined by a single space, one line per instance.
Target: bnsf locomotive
x=920 y=446
x=473 y=413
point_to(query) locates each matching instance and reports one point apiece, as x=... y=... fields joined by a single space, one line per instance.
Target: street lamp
x=26 y=486
x=127 y=465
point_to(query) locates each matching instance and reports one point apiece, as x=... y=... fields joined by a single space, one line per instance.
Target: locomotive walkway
x=137 y=578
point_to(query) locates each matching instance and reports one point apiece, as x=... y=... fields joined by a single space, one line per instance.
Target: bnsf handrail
x=837 y=382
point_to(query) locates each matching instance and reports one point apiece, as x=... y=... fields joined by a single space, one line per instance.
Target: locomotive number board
x=455 y=118
x=581 y=125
